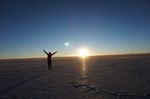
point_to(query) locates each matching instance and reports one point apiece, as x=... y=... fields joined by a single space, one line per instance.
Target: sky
x=102 y=26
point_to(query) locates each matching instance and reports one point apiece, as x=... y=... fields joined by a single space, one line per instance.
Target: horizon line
x=67 y=56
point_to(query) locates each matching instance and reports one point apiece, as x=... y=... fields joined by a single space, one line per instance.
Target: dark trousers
x=49 y=65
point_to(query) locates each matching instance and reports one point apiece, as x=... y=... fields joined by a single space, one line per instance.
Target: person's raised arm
x=54 y=53
x=45 y=52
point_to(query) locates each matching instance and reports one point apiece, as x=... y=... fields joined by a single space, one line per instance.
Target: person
x=49 y=59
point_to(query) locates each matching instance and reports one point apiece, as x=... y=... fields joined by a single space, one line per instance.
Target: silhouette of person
x=49 y=59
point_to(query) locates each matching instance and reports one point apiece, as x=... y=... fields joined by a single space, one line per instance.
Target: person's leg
x=49 y=65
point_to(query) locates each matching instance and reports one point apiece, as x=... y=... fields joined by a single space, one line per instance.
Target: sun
x=83 y=52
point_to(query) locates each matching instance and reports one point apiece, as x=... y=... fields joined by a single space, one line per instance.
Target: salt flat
x=96 y=77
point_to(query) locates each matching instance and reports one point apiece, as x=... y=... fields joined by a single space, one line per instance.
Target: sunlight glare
x=83 y=52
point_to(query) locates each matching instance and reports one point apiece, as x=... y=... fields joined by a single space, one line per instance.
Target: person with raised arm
x=49 y=58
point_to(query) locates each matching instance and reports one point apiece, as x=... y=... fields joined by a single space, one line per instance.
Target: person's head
x=49 y=52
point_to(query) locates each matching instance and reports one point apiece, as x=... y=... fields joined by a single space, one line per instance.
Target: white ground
x=105 y=77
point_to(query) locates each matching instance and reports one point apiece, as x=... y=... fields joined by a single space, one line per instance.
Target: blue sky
x=102 y=26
